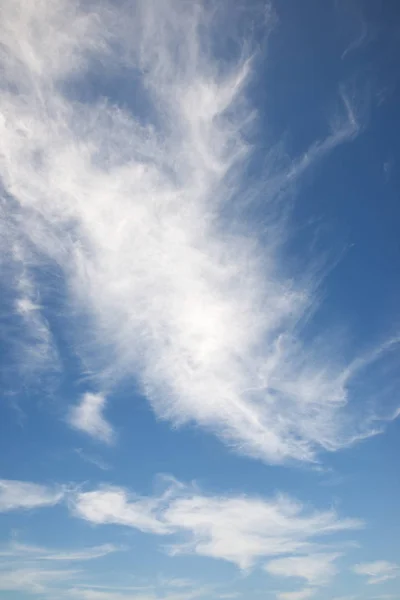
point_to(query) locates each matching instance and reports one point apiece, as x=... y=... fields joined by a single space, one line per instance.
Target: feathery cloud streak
x=17 y=551
x=33 y=580
x=378 y=571
x=128 y=206
x=316 y=569
x=300 y=595
x=87 y=416
x=242 y=530
x=20 y=495
x=111 y=594
x=239 y=529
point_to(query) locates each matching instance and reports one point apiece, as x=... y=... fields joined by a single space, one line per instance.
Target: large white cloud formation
x=238 y=529
x=129 y=203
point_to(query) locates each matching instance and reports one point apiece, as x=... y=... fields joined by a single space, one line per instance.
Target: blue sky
x=199 y=300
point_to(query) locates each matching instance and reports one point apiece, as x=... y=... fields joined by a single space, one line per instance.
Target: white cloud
x=111 y=594
x=300 y=595
x=316 y=569
x=38 y=350
x=68 y=584
x=112 y=504
x=242 y=529
x=32 y=349
x=377 y=571
x=32 y=580
x=93 y=460
x=166 y=589
x=238 y=529
x=176 y=582
x=96 y=594
x=18 y=551
x=131 y=210
x=88 y=417
x=19 y=495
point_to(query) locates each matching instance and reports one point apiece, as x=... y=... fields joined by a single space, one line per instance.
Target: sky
x=199 y=307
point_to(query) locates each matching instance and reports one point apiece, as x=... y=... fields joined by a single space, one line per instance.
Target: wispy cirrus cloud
x=38 y=350
x=97 y=461
x=65 y=584
x=316 y=569
x=131 y=208
x=31 y=347
x=75 y=584
x=33 y=580
x=299 y=595
x=164 y=588
x=239 y=529
x=22 y=495
x=20 y=551
x=378 y=571
x=87 y=416
x=112 y=594
x=111 y=504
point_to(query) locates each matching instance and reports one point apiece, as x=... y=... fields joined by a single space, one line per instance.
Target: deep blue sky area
x=348 y=206
x=199 y=300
